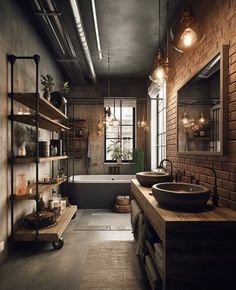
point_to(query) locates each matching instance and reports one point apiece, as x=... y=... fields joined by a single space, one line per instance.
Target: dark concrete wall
x=18 y=37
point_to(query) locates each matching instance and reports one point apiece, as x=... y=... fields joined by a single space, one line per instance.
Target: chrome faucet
x=161 y=165
x=214 y=196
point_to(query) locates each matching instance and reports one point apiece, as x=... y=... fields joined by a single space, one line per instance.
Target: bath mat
x=112 y=265
x=102 y=220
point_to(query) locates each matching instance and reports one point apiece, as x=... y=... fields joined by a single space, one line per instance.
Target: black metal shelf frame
x=36 y=118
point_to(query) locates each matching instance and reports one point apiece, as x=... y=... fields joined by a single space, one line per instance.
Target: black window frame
x=120 y=134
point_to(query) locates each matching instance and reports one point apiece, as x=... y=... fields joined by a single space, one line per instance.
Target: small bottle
x=29 y=187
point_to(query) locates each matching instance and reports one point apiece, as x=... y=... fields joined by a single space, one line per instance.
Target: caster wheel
x=57 y=245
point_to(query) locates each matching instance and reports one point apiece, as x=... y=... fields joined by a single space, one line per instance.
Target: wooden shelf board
x=22 y=160
x=49 y=234
x=44 y=122
x=28 y=99
x=43 y=188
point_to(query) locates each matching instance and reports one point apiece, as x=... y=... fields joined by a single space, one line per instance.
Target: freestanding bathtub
x=98 y=191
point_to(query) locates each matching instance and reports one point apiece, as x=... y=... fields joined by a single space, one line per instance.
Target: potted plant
x=117 y=153
x=47 y=83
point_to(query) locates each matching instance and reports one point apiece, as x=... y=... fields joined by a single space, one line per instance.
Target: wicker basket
x=122 y=200
x=122 y=208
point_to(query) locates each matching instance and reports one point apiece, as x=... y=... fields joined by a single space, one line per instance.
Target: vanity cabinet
x=196 y=251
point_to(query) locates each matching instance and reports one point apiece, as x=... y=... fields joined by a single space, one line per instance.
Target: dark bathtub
x=98 y=191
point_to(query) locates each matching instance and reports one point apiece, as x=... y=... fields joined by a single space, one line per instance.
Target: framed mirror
x=202 y=115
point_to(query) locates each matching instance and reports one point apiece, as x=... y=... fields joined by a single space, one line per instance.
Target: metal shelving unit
x=48 y=117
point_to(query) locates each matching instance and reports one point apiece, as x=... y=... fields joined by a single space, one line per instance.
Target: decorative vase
x=46 y=94
x=119 y=160
x=22 y=150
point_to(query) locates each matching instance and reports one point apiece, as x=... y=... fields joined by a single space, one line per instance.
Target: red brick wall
x=218 y=20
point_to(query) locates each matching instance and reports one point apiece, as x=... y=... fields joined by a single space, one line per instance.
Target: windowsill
x=115 y=163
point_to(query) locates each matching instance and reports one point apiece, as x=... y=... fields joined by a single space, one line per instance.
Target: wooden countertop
x=209 y=214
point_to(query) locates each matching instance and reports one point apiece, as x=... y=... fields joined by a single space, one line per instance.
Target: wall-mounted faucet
x=215 y=196
x=166 y=160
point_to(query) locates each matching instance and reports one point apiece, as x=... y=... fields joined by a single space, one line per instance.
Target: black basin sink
x=181 y=195
x=148 y=178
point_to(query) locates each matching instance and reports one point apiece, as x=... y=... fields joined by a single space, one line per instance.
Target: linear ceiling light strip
x=83 y=40
x=96 y=30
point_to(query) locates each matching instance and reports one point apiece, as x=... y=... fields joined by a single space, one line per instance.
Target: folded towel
x=135 y=212
x=140 y=235
x=153 y=274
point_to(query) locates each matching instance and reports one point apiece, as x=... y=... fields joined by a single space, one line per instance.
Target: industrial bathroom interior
x=118 y=145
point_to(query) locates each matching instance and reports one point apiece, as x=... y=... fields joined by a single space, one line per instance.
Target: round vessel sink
x=148 y=178
x=181 y=195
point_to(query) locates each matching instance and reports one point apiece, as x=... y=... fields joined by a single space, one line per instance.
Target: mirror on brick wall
x=202 y=109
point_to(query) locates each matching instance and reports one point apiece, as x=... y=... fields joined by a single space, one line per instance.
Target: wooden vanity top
x=209 y=214
x=199 y=248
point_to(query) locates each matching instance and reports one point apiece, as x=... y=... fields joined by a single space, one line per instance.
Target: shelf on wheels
x=52 y=233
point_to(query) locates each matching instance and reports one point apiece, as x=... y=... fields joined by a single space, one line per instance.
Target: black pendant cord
x=159 y=22
x=167 y=30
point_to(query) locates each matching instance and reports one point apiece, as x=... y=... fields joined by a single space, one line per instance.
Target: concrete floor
x=34 y=266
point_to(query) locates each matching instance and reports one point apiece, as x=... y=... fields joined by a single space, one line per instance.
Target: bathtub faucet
x=214 y=196
x=161 y=165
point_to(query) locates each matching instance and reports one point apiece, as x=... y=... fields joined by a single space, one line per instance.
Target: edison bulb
x=188 y=38
x=202 y=120
x=185 y=119
x=115 y=123
x=159 y=76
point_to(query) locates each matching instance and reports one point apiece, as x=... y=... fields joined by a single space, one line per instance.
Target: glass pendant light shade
x=115 y=122
x=188 y=39
x=202 y=119
x=185 y=119
x=159 y=76
x=143 y=123
x=185 y=32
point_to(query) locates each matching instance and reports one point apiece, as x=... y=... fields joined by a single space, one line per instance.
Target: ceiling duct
x=210 y=68
x=83 y=40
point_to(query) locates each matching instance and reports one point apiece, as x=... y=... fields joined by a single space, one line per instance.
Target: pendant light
x=185 y=34
x=159 y=76
x=188 y=38
x=109 y=119
x=185 y=120
x=167 y=62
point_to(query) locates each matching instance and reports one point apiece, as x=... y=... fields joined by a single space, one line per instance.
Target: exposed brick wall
x=218 y=20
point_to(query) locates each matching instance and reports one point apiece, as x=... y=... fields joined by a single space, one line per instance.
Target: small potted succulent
x=47 y=83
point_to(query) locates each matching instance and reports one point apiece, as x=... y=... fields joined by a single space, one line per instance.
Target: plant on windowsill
x=116 y=152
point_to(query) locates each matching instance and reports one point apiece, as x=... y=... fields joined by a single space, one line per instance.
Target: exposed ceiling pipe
x=100 y=56
x=83 y=40
x=48 y=22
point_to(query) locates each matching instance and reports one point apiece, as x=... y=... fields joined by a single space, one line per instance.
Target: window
x=161 y=125
x=158 y=127
x=120 y=140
